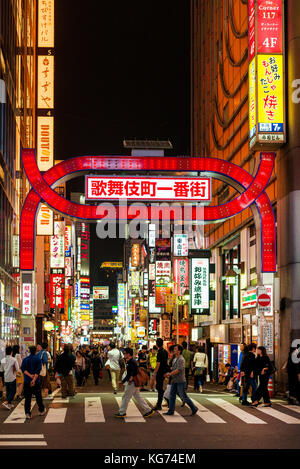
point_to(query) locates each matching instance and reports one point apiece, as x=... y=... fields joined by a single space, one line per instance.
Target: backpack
x=141 y=378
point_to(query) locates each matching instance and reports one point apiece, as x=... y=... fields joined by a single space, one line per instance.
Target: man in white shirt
x=9 y=366
x=114 y=356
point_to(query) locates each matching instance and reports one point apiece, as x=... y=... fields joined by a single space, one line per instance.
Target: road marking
x=236 y=411
x=56 y=415
x=23 y=443
x=176 y=418
x=93 y=410
x=133 y=413
x=207 y=415
x=24 y=435
x=59 y=401
x=278 y=415
x=295 y=408
x=18 y=414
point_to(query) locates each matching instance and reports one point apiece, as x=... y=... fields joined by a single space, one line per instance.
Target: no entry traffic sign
x=264 y=300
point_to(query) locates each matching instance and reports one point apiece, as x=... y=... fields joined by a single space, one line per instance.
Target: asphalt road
x=87 y=422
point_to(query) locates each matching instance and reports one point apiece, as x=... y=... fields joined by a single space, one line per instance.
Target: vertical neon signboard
x=267 y=125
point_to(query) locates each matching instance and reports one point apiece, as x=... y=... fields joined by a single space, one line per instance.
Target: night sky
x=122 y=71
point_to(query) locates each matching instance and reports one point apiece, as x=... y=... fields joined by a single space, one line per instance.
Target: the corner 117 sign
x=148 y=188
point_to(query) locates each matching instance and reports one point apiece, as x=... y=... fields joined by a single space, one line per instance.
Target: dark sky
x=122 y=70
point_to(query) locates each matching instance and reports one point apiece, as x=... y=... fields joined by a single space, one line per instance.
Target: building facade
x=17 y=129
x=220 y=129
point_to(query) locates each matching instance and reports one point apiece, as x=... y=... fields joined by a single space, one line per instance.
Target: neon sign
x=251 y=188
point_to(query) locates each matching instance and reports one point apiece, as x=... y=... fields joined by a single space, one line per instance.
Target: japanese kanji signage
x=200 y=285
x=181 y=275
x=160 y=295
x=152 y=328
x=102 y=293
x=181 y=245
x=57 y=253
x=26 y=298
x=57 y=290
x=45 y=142
x=162 y=272
x=45 y=93
x=266 y=74
x=46 y=23
x=131 y=188
x=135 y=255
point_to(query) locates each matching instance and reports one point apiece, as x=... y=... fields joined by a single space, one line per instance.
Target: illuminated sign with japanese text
x=44 y=221
x=266 y=74
x=26 y=298
x=181 y=245
x=135 y=255
x=101 y=293
x=45 y=89
x=200 y=284
x=162 y=272
x=57 y=291
x=181 y=275
x=57 y=253
x=46 y=23
x=131 y=188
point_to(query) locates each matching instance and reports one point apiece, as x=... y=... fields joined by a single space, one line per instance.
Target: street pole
x=177 y=322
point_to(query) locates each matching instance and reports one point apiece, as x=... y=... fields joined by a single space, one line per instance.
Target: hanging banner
x=45 y=83
x=200 y=286
x=26 y=298
x=45 y=142
x=46 y=23
x=162 y=272
x=57 y=253
x=57 y=291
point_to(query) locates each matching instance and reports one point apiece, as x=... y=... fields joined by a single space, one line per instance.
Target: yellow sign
x=270 y=93
x=48 y=326
x=170 y=302
x=45 y=141
x=252 y=99
x=111 y=265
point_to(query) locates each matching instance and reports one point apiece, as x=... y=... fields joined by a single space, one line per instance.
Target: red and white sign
x=181 y=275
x=57 y=290
x=251 y=28
x=269 y=27
x=26 y=298
x=181 y=245
x=163 y=272
x=132 y=188
x=265 y=300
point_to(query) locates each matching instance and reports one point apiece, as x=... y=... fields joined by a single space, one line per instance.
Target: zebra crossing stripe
x=56 y=415
x=207 y=415
x=176 y=418
x=295 y=408
x=133 y=413
x=23 y=443
x=18 y=414
x=93 y=410
x=279 y=415
x=236 y=411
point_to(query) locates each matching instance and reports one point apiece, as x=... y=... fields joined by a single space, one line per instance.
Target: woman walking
x=19 y=374
x=264 y=369
x=79 y=368
x=97 y=365
x=200 y=364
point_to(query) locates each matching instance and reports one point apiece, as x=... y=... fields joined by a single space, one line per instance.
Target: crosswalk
x=100 y=409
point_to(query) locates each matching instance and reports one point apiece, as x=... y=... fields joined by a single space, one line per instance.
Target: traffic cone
x=271 y=387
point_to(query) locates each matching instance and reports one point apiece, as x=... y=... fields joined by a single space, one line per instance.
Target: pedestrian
x=64 y=366
x=130 y=389
x=243 y=352
x=9 y=366
x=249 y=374
x=264 y=370
x=115 y=359
x=160 y=370
x=45 y=379
x=79 y=368
x=188 y=358
x=152 y=360
x=178 y=382
x=31 y=367
x=87 y=371
x=143 y=362
x=19 y=375
x=200 y=361
x=97 y=365
x=292 y=366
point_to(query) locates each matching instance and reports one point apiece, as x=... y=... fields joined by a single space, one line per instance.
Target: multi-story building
x=17 y=129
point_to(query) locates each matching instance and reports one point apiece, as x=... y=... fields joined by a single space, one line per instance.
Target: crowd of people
x=166 y=371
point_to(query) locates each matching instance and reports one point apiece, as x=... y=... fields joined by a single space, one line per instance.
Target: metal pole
x=177 y=324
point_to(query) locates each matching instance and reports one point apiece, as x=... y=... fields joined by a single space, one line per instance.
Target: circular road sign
x=264 y=300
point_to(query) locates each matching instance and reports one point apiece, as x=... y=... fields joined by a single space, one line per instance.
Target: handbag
x=167 y=391
x=141 y=378
x=208 y=378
